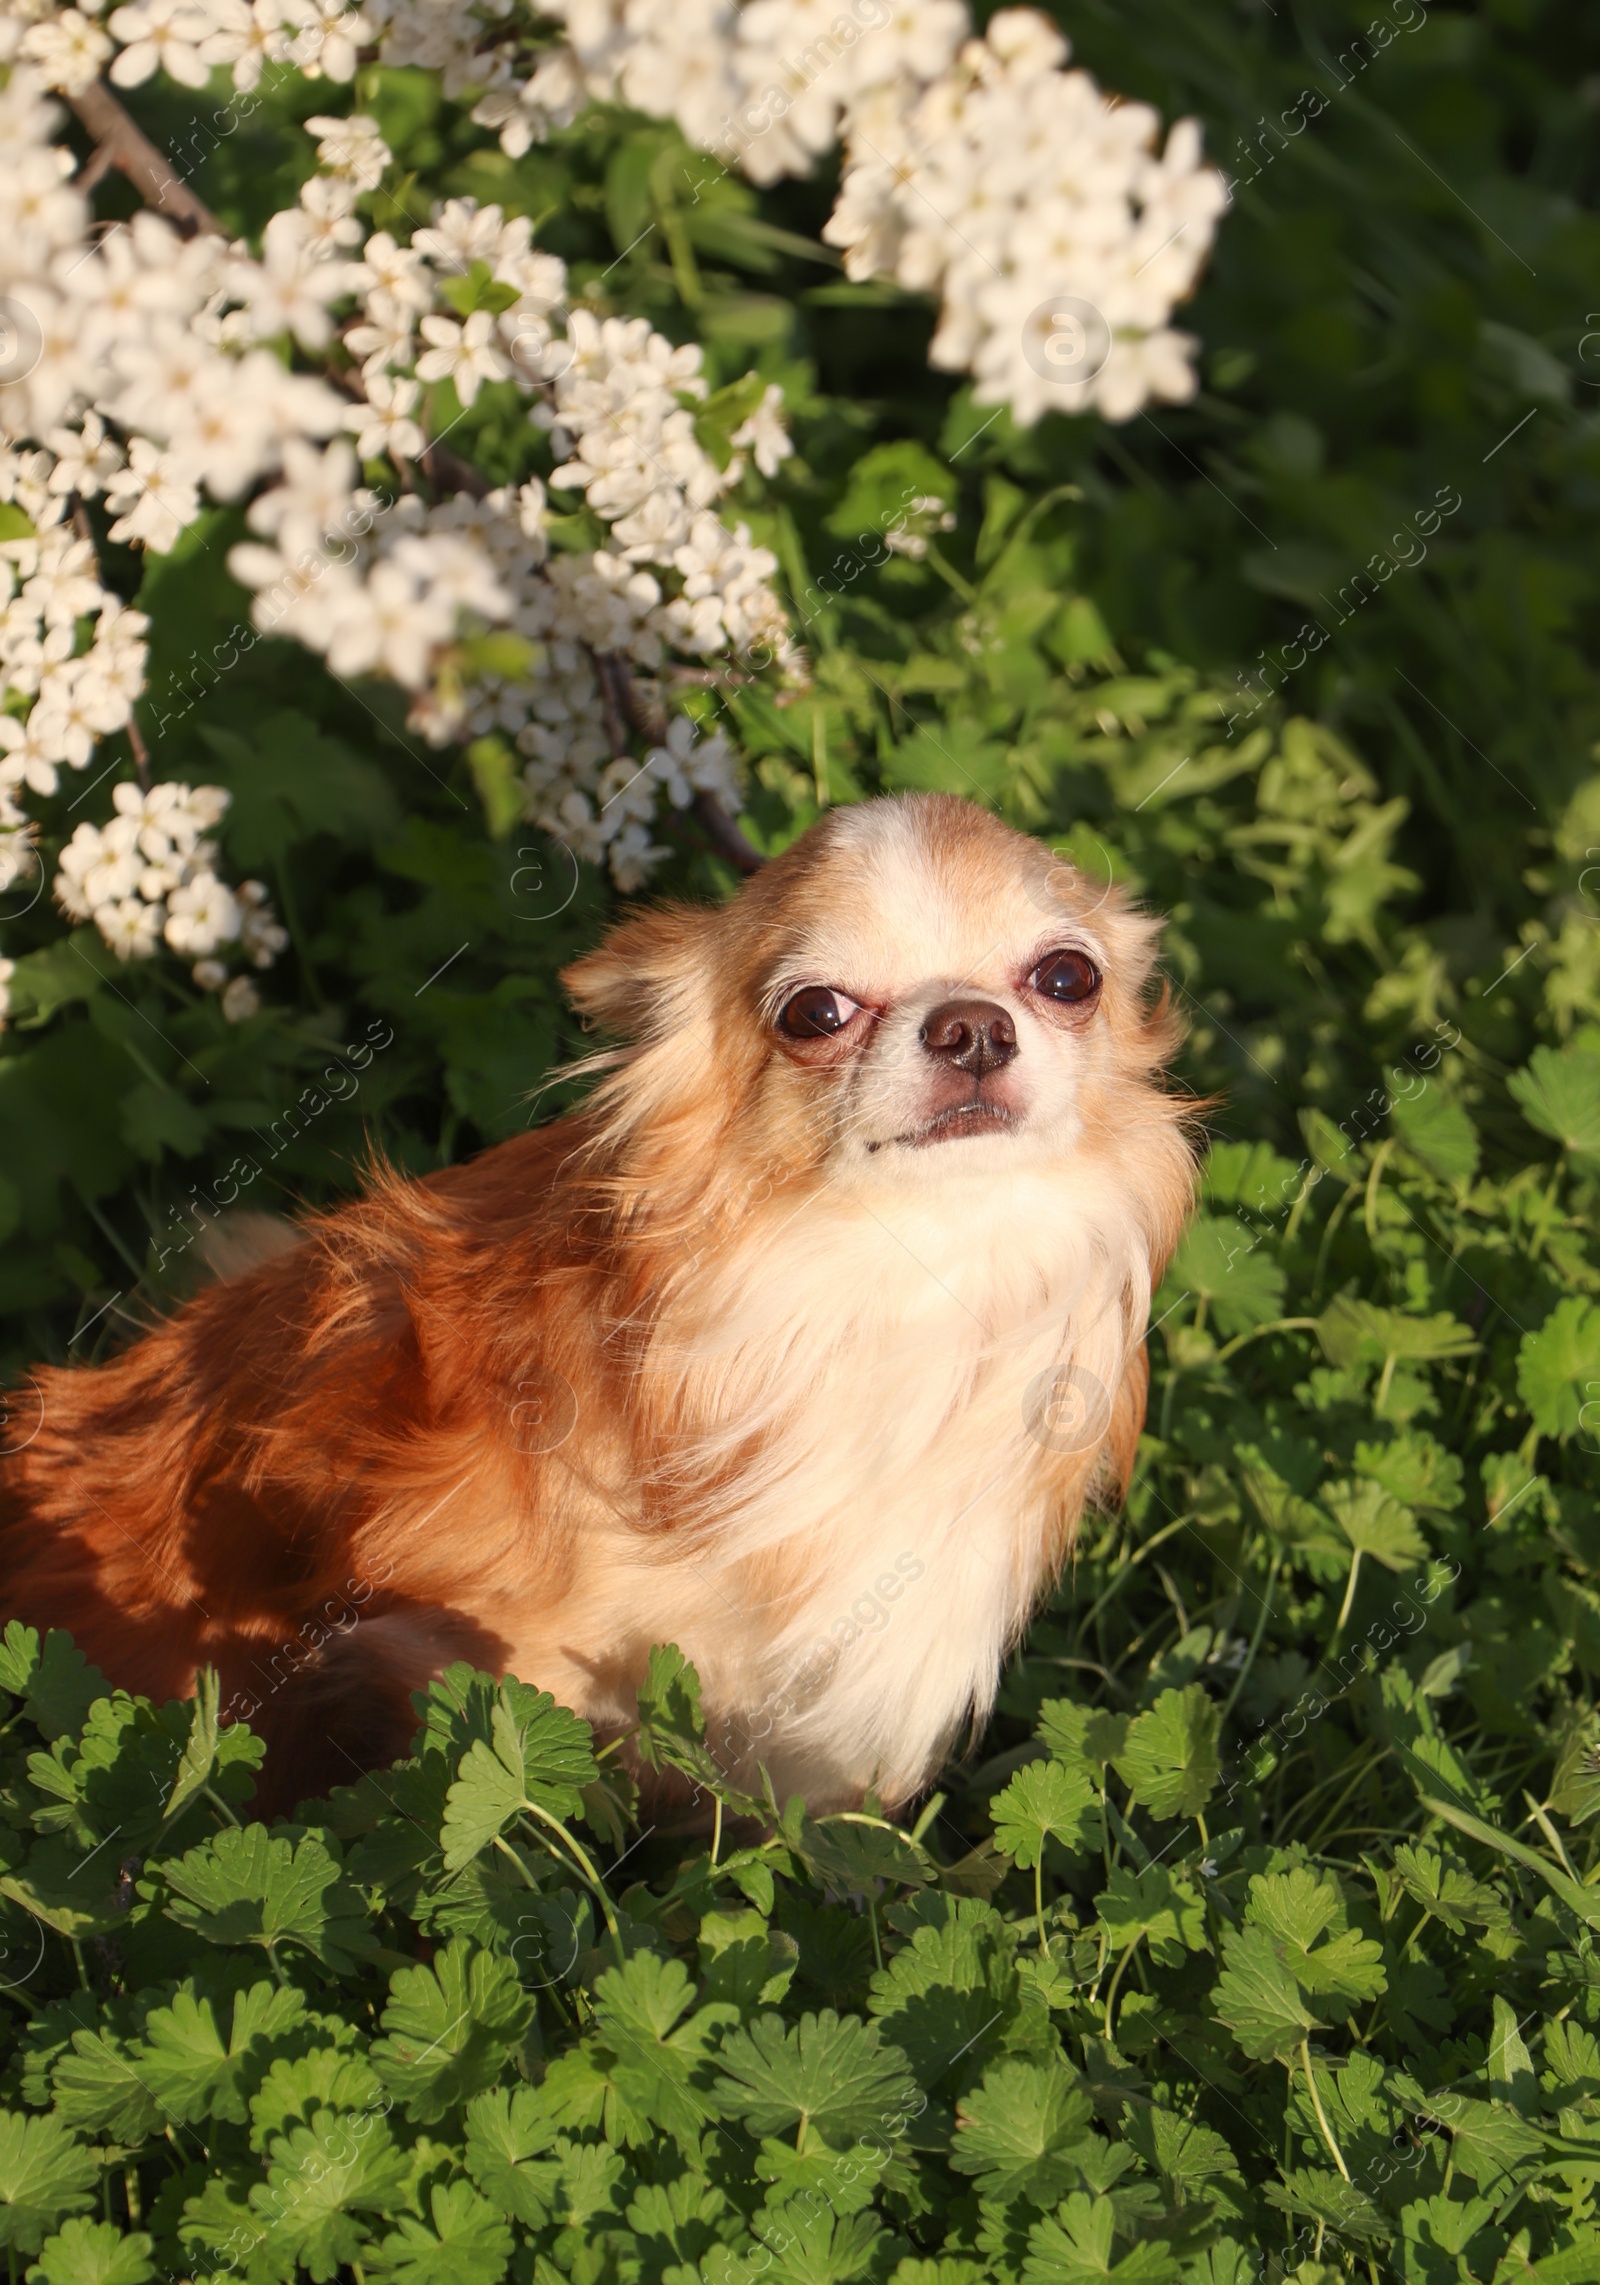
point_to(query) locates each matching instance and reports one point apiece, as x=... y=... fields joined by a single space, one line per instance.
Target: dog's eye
x=815 y=1013
x=1070 y=976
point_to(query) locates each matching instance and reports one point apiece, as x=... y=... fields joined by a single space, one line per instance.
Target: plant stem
x=581 y=1858
x=1349 y=1597
x=1316 y=2104
x=1374 y=1178
x=1255 y=1641
x=1260 y=1332
x=1117 y=1974
x=217 y=1802
x=716 y=1831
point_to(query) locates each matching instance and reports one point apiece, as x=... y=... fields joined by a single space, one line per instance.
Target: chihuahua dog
x=803 y=1344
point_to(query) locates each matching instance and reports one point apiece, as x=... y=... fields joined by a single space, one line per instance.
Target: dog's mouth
x=978 y=1116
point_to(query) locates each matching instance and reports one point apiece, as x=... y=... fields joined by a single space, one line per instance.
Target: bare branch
x=725 y=836
x=122 y=144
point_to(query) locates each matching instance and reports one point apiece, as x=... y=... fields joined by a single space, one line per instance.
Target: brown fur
x=335 y=1473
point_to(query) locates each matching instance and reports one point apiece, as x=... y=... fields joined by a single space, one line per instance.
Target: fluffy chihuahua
x=803 y=1344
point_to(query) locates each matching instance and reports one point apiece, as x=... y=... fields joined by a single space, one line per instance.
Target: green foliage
x=1270 y=1950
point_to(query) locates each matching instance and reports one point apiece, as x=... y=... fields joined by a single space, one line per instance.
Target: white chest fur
x=865 y=1388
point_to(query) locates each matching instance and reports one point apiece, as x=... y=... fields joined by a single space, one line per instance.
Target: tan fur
x=724 y=1359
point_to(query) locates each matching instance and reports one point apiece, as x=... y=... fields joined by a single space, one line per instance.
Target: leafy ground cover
x=1256 y=1936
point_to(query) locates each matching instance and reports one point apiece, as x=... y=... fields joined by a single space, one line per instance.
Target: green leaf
x=100 y=2088
x=448 y=2029
x=541 y=1755
x=1154 y=1904
x=191 y=2072
x=1326 y=2198
x=952 y=1990
x=1305 y=1913
x=1558 y=1367
x=1447 y=1889
x=1560 y=1095
x=1353 y=1331
x=320 y=2180
x=253 y=1887
x=1017 y=2131
x=1579 y=1899
x=1170 y=1761
x=1184 y=2153
x=848 y=1851
x=509 y=2137
x=93 y=2253
x=44 y=2174
x=1045 y=1800
x=1231 y=1267
x=1376 y=1525
x=62 y=1685
x=1257 y=1998
x=672 y=1730
x=297 y=2086
x=746 y=1964
x=468 y=2244
x=837 y=2076
x=1082 y=1738
x=657 y=2057
x=811 y=2246
x=1075 y=2249
x=1438 y=1132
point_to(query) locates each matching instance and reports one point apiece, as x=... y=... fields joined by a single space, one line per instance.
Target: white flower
x=385 y=626
x=131 y=927
x=64 y=586
x=330 y=40
x=464 y=354
x=764 y=434
x=382 y=424
x=26 y=757
x=154 y=497
x=86 y=458
x=396 y=271
x=289 y=289
x=353 y=147
x=201 y=915
x=328 y=202
x=634 y=856
x=160 y=35
x=385 y=339
x=688 y=764
x=462 y=233
x=240 y=1000
x=68 y=48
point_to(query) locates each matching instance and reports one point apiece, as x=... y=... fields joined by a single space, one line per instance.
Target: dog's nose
x=974 y=1035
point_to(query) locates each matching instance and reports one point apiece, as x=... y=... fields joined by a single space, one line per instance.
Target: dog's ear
x=648 y=975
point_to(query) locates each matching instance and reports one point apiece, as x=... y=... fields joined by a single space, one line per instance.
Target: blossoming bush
x=462 y=467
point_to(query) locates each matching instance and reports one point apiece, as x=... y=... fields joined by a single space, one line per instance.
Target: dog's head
x=912 y=993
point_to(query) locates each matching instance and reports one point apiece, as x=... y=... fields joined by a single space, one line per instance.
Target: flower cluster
x=149 y=876
x=981 y=169
x=978 y=169
x=149 y=379
x=1041 y=213
x=147 y=370
x=383 y=582
x=188 y=40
